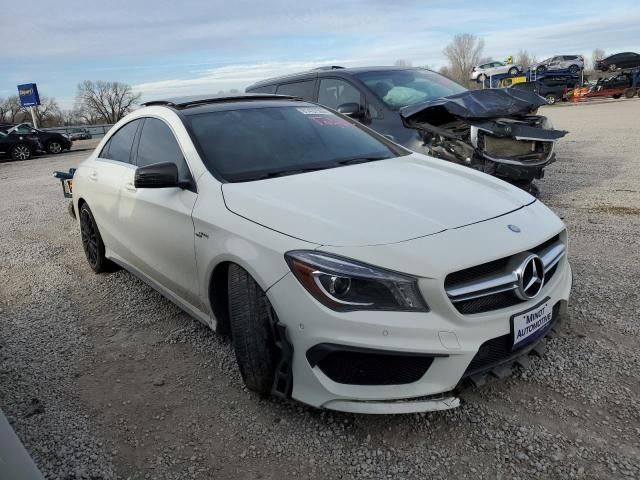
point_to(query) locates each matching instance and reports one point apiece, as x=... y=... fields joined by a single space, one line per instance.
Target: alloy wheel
x=89 y=236
x=21 y=152
x=55 y=147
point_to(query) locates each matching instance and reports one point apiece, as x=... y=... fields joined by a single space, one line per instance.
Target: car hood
x=476 y=104
x=376 y=203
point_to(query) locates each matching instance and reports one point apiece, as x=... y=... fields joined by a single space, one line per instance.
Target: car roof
x=332 y=71
x=196 y=100
x=206 y=104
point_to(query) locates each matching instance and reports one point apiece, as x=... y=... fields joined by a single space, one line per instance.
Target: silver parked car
x=572 y=63
x=486 y=70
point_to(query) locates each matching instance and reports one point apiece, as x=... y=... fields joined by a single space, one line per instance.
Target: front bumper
x=451 y=338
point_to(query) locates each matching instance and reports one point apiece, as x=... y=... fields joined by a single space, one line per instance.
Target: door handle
x=130 y=186
x=93 y=176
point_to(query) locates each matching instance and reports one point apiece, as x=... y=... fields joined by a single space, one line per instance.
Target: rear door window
x=119 y=145
x=303 y=89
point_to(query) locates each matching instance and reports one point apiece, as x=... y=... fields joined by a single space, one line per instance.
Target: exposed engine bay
x=495 y=131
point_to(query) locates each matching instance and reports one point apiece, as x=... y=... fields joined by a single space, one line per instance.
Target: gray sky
x=192 y=46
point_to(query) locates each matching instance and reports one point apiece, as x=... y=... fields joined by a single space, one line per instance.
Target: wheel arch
x=218 y=295
x=218 y=290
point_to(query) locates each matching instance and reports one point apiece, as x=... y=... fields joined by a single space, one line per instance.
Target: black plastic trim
x=316 y=353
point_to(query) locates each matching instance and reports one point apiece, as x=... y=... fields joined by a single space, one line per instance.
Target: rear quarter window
x=302 y=89
x=263 y=89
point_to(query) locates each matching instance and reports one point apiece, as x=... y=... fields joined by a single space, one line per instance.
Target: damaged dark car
x=492 y=130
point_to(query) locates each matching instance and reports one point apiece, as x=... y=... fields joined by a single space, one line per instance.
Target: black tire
x=251 y=332
x=573 y=69
x=54 y=147
x=92 y=242
x=513 y=70
x=612 y=67
x=616 y=96
x=21 y=152
x=551 y=99
x=541 y=70
x=481 y=78
x=629 y=92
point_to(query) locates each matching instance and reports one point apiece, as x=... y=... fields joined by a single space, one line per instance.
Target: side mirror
x=352 y=110
x=158 y=175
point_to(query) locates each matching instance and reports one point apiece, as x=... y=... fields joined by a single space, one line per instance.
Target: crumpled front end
x=494 y=131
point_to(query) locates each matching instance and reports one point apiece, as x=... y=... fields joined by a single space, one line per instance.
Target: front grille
x=497 y=300
x=488 y=303
x=360 y=368
x=498 y=350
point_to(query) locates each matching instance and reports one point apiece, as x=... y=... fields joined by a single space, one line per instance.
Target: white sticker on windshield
x=314 y=111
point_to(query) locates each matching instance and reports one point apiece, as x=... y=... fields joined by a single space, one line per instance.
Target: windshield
x=254 y=143
x=399 y=88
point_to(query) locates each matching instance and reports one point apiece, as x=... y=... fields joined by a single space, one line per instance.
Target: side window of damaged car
x=119 y=146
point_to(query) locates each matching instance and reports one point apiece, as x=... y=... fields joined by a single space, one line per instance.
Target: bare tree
x=463 y=53
x=109 y=101
x=12 y=109
x=597 y=54
x=47 y=113
x=72 y=117
x=403 y=63
x=525 y=59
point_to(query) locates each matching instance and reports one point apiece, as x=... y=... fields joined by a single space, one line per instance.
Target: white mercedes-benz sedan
x=350 y=273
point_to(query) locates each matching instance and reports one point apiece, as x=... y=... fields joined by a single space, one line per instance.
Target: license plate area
x=530 y=325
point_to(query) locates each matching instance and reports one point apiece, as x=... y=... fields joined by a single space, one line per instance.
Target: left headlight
x=345 y=285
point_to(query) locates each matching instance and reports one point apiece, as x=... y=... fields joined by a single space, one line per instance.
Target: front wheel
x=513 y=71
x=551 y=99
x=54 y=147
x=92 y=241
x=21 y=152
x=573 y=69
x=251 y=331
x=481 y=78
x=541 y=70
x=630 y=92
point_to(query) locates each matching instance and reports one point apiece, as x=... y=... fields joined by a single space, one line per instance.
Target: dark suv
x=371 y=95
x=553 y=89
x=428 y=113
x=52 y=142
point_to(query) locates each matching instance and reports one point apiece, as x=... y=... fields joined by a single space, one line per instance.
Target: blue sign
x=28 y=95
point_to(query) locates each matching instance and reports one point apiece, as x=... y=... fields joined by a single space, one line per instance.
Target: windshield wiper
x=354 y=161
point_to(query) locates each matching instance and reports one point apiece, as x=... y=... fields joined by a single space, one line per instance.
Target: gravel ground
x=102 y=378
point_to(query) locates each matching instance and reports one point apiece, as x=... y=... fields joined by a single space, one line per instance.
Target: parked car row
x=22 y=141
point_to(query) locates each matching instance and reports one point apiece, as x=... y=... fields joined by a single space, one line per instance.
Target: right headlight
x=345 y=285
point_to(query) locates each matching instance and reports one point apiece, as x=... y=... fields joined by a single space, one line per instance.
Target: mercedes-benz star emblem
x=530 y=277
x=514 y=228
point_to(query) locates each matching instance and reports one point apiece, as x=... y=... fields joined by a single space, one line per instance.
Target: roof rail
x=185 y=102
